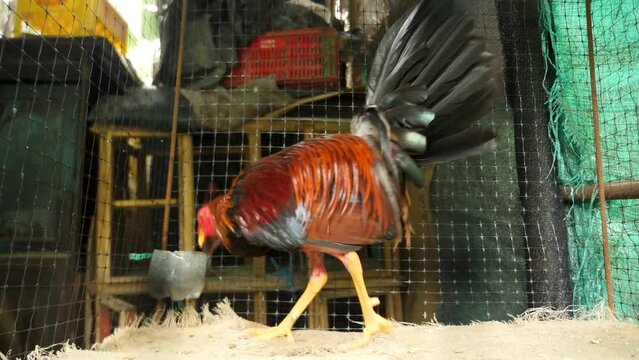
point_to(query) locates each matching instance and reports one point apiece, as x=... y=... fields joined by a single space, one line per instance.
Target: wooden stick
x=599 y=158
x=617 y=190
x=176 y=109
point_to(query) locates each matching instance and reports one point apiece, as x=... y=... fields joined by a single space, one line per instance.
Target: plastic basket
x=300 y=58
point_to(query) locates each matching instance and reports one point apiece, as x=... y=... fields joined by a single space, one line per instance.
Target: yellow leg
x=315 y=283
x=373 y=323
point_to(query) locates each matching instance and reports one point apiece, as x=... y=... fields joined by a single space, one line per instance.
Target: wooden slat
x=141 y=203
x=187 y=192
x=134 y=224
x=122 y=131
x=33 y=255
x=116 y=304
x=318 y=312
x=131 y=279
x=104 y=209
x=213 y=284
x=89 y=320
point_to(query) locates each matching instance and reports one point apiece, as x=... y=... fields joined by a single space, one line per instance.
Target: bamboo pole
x=599 y=158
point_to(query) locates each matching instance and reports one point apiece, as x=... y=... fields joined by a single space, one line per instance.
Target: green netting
x=616 y=49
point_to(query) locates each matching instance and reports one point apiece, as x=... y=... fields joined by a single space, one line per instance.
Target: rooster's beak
x=201 y=239
x=207 y=246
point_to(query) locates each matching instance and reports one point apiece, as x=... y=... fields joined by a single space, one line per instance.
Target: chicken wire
x=489 y=238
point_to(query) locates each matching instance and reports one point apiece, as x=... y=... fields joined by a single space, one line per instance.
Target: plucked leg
x=315 y=283
x=373 y=323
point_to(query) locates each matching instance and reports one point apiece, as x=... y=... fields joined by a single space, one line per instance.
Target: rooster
x=430 y=81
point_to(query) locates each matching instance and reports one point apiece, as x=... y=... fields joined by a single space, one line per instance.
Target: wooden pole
x=599 y=158
x=174 y=120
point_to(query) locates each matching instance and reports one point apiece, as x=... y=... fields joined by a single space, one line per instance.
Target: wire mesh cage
x=119 y=120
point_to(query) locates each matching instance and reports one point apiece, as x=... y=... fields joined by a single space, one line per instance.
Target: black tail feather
x=447 y=124
x=470 y=142
x=431 y=63
x=474 y=82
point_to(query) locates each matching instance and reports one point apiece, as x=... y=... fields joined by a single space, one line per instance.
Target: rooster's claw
x=271 y=333
x=373 y=326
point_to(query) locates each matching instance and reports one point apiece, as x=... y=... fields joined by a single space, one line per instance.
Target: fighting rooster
x=430 y=81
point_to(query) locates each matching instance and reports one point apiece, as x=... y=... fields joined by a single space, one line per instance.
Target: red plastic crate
x=300 y=58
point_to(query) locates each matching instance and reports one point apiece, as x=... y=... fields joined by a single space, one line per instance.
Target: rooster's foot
x=271 y=332
x=372 y=326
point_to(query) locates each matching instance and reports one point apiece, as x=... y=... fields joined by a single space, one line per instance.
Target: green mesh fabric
x=616 y=50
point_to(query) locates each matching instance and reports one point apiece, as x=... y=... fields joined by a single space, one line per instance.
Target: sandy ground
x=222 y=336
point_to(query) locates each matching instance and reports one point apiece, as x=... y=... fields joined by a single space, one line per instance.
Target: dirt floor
x=222 y=336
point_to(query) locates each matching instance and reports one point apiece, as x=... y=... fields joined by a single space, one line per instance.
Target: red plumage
x=325 y=187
